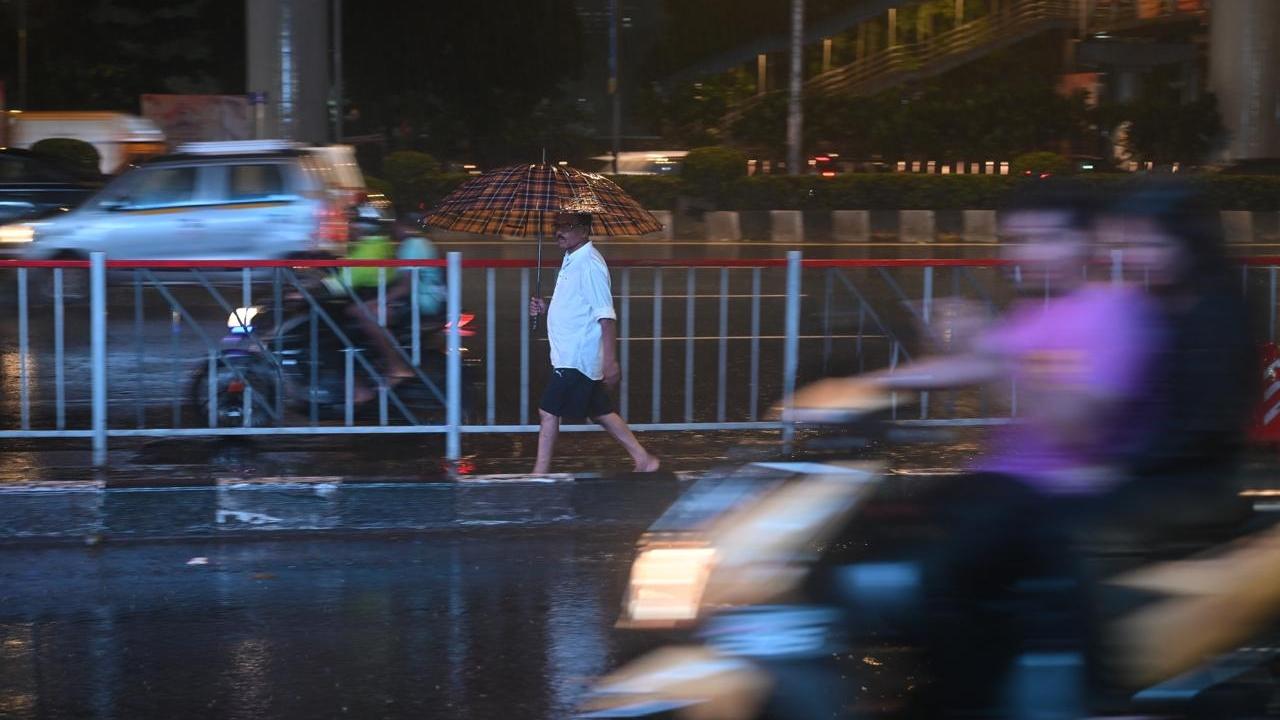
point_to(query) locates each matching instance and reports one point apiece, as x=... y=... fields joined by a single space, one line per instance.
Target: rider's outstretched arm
x=942 y=372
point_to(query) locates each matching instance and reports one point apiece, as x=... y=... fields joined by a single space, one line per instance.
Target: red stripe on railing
x=1252 y=261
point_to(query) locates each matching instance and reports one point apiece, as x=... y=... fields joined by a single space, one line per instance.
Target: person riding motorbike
x=404 y=242
x=1078 y=357
x=1180 y=466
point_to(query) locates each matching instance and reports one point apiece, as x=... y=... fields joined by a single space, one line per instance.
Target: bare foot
x=651 y=463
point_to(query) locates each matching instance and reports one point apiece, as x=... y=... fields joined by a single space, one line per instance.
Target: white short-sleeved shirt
x=582 y=299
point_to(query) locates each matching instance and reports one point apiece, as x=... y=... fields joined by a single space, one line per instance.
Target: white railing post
x=791 y=352
x=453 y=359
x=98 y=353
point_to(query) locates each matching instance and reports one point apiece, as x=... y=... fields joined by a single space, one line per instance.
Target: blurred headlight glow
x=241 y=320
x=17 y=233
x=667 y=584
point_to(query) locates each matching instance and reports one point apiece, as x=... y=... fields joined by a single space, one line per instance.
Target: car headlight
x=17 y=234
x=666 y=585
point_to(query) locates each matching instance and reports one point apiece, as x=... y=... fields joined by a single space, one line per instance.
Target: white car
x=246 y=200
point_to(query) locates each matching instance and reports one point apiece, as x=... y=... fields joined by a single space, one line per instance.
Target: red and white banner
x=193 y=118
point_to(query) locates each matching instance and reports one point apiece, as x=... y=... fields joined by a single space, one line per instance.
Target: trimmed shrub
x=77 y=154
x=859 y=191
x=1039 y=163
x=708 y=170
x=407 y=166
x=653 y=192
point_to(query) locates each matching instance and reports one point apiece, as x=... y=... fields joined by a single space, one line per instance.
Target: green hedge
x=888 y=191
x=957 y=192
x=77 y=154
x=655 y=192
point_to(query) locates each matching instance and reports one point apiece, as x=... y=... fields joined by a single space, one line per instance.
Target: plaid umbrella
x=523 y=200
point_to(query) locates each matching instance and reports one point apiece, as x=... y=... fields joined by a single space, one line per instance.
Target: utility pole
x=22 y=54
x=795 y=113
x=614 y=97
x=337 y=71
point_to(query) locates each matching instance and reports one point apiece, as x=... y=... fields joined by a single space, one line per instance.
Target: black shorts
x=574 y=395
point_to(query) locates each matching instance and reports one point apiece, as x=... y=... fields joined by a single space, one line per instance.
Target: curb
x=92 y=512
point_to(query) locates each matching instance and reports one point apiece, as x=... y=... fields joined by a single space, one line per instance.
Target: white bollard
x=786 y=226
x=724 y=225
x=668 y=220
x=1237 y=226
x=851 y=225
x=917 y=226
x=979 y=225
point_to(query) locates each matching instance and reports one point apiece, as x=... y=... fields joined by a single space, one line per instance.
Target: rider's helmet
x=364 y=220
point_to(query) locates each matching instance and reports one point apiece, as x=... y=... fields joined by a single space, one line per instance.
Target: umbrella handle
x=537 y=283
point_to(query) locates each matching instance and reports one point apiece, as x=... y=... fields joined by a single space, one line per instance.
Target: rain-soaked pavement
x=464 y=625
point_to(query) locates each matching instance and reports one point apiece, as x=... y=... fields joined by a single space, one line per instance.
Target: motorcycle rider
x=371 y=239
x=1180 y=467
x=1078 y=356
x=411 y=244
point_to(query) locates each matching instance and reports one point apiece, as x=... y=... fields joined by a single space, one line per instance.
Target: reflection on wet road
x=464 y=626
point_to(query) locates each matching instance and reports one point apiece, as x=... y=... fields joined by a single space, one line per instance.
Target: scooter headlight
x=240 y=322
x=666 y=585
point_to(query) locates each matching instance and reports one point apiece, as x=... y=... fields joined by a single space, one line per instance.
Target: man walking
x=583 y=332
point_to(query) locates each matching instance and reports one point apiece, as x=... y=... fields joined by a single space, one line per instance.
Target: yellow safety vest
x=370 y=247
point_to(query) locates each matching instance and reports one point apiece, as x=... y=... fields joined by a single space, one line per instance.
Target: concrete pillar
x=979 y=225
x=762 y=73
x=851 y=225
x=724 y=225
x=668 y=220
x=1244 y=52
x=917 y=225
x=786 y=225
x=1237 y=226
x=287 y=49
x=892 y=38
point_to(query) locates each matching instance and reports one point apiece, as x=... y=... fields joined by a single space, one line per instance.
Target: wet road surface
x=480 y=625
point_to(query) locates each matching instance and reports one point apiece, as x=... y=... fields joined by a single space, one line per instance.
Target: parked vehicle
x=748 y=569
x=32 y=186
x=120 y=139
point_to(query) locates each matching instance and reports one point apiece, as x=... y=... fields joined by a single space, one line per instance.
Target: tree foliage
x=480 y=80
x=1159 y=127
x=103 y=54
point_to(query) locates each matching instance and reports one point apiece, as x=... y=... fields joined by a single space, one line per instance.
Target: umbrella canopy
x=523 y=200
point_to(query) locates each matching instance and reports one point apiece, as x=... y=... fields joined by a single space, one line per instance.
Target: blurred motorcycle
x=747 y=567
x=310 y=361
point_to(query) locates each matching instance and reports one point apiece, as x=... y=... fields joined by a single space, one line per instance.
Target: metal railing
x=1013 y=22
x=738 y=335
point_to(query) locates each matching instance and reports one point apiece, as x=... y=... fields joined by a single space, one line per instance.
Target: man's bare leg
x=617 y=427
x=547 y=434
